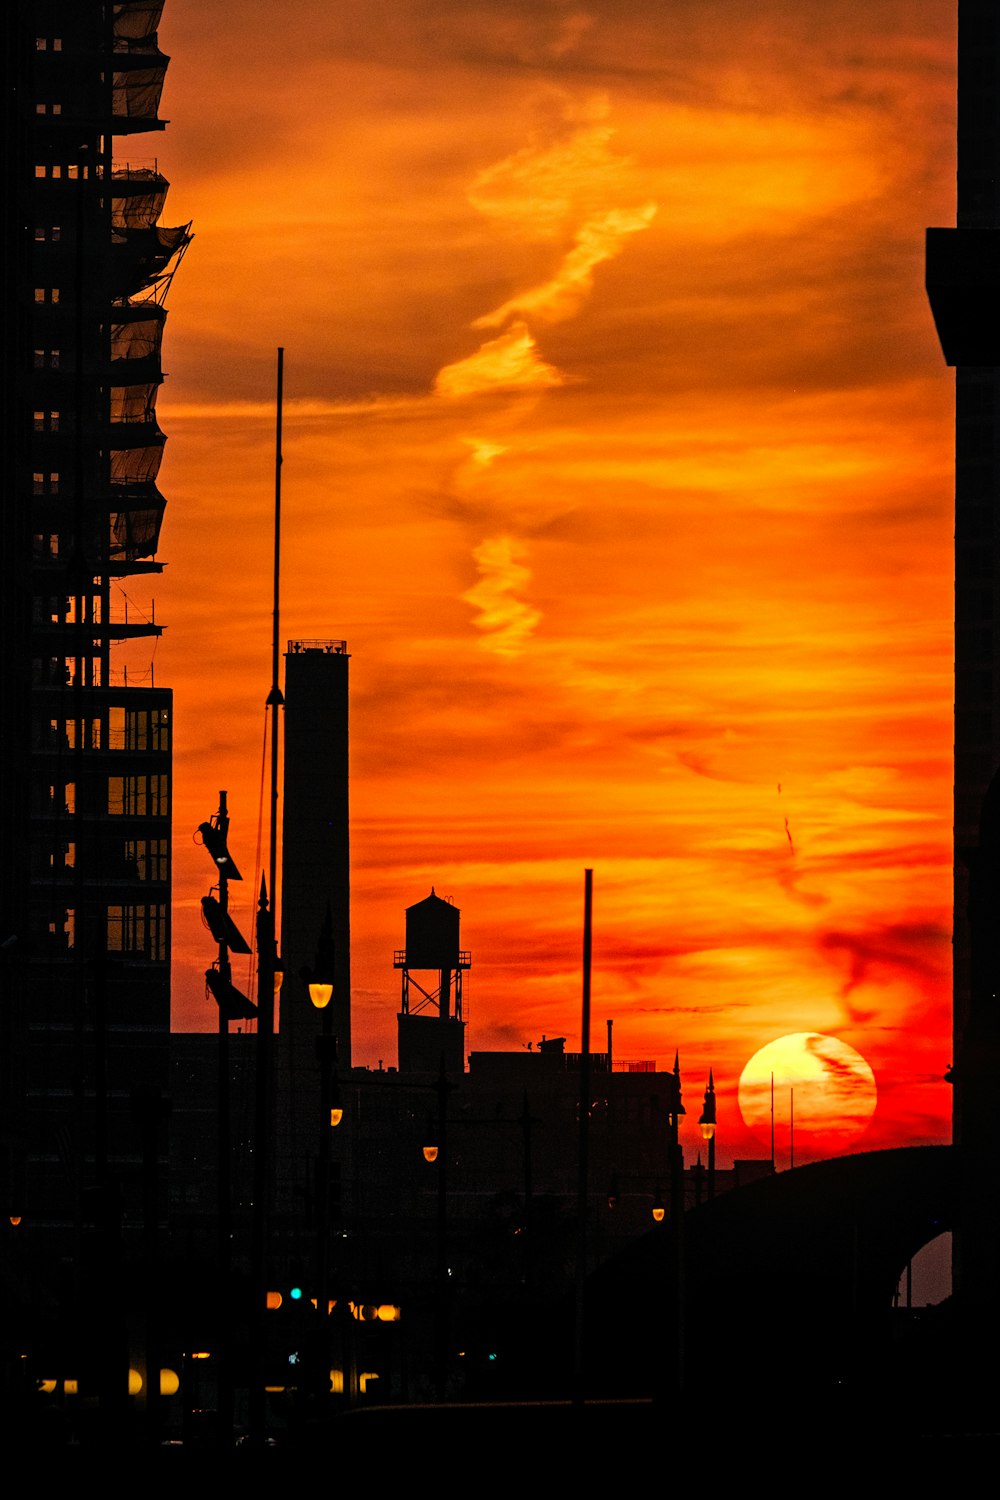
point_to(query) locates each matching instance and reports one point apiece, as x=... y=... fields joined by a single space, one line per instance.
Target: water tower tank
x=432 y=940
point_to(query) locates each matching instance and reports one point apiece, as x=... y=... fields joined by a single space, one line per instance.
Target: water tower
x=431 y=1028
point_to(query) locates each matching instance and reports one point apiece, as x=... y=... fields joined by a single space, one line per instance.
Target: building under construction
x=86 y=757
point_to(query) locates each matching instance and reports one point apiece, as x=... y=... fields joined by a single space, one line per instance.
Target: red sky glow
x=618 y=448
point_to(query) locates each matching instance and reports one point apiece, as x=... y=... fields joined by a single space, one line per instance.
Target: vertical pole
x=327 y=1046
x=584 y=1122
x=225 y=1376
x=443 y=1320
x=791 y=1128
x=267 y=954
x=772 y=1122
x=529 y=1244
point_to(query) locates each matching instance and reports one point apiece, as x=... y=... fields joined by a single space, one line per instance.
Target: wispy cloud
x=506 y=620
x=599 y=239
x=508 y=363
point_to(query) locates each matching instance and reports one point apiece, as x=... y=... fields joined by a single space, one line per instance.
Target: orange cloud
x=506 y=620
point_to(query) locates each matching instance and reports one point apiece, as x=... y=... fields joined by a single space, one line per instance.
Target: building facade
x=86 y=751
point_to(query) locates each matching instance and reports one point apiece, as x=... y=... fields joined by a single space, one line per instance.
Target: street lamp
x=430 y=1147
x=707 y=1123
x=658 y=1210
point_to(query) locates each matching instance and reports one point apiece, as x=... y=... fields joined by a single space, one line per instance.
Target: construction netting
x=139 y=465
x=136 y=20
x=139 y=256
x=133 y=403
x=137 y=331
x=137 y=197
x=135 y=525
x=137 y=83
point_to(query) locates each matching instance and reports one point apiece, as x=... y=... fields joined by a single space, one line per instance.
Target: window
x=46 y=421
x=45 y=483
x=47 y=359
x=50 y=236
x=137 y=796
x=140 y=729
x=138 y=929
x=148 y=857
x=90 y=730
x=47 y=294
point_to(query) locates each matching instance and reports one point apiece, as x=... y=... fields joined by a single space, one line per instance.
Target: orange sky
x=618 y=447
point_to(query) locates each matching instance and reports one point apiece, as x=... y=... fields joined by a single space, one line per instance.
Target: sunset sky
x=618 y=448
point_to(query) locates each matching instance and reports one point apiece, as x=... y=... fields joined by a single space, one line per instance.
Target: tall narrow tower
x=86 y=761
x=963 y=283
x=315 y=880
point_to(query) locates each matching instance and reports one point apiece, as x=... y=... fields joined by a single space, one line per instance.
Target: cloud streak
x=506 y=620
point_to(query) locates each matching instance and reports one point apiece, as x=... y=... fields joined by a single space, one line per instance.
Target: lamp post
x=675 y=1110
x=434 y=1150
x=707 y=1123
x=232 y=1006
x=319 y=981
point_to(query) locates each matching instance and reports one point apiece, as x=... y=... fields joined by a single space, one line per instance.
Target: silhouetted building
x=964 y=290
x=86 y=758
x=315 y=887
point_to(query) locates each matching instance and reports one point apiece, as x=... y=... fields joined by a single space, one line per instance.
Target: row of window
x=52 y=171
x=138 y=929
x=130 y=929
x=46 y=421
x=142 y=859
x=138 y=796
x=49 y=234
x=128 y=796
x=127 y=729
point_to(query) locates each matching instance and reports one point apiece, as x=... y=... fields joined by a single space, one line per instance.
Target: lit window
x=55 y=171
x=40 y=169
